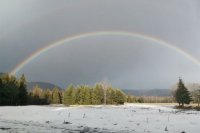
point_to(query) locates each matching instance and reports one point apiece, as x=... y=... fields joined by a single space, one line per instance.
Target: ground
x=130 y=118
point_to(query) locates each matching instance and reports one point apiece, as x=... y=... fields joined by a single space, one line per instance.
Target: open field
x=138 y=118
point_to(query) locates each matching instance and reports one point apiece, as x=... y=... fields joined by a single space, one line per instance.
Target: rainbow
x=102 y=33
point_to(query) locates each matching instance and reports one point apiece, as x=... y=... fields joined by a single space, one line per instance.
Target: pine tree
x=182 y=94
x=36 y=96
x=46 y=96
x=87 y=99
x=140 y=100
x=99 y=92
x=37 y=92
x=111 y=96
x=56 y=96
x=1 y=91
x=1 y=83
x=76 y=95
x=22 y=93
x=94 y=98
x=10 y=90
x=131 y=99
x=67 y=96
x=81 y=95
x=120 y=97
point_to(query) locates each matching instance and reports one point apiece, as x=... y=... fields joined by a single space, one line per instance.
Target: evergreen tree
x=49 y=96
x=131 y=99
x=37 y=92
x=182 y=94
x=110 y=96
x=81 y=95
x=87 y=99
x=8 y=90
x=94 y=97
x=1 y=90
x=76 y=95
x=140 y=100
x=56 y=96
x=1 y=83
x=67 y=96
x=22 y=92
x=35 y=96
x=99 y=92
x=120 y=97
x=46 y=96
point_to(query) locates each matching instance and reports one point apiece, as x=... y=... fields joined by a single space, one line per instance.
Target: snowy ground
x=136 y=118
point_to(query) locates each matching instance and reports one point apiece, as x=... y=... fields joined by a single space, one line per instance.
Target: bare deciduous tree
x=105 y=85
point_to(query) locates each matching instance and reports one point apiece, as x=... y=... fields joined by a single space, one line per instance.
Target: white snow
x=136 y=118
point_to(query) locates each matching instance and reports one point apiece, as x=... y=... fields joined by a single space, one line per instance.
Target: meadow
x=128 y=118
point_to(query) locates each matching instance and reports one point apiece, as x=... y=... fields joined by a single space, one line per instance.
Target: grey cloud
x=26 y=26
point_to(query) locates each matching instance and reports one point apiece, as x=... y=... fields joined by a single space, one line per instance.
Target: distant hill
x=189 y=86
x=152 y=92
x=1 y=74
x=43 y=85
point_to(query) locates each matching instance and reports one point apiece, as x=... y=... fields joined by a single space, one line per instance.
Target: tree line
x=77 y=95
x=13 y=92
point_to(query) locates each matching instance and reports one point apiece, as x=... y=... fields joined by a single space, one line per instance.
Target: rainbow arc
x=67 y=39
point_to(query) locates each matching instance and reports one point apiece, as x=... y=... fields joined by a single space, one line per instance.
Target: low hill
x=1 y=74
x=43 y=85
x=152 y=92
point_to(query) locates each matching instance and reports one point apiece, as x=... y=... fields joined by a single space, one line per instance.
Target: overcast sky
x=128 y=63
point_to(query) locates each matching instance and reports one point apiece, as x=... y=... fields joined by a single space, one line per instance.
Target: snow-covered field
x=136 y=118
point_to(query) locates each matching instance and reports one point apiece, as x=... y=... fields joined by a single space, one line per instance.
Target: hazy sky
x=129 y=63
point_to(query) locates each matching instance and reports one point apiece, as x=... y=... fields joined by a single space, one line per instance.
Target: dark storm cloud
x=138 y=64
x=26 y=26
